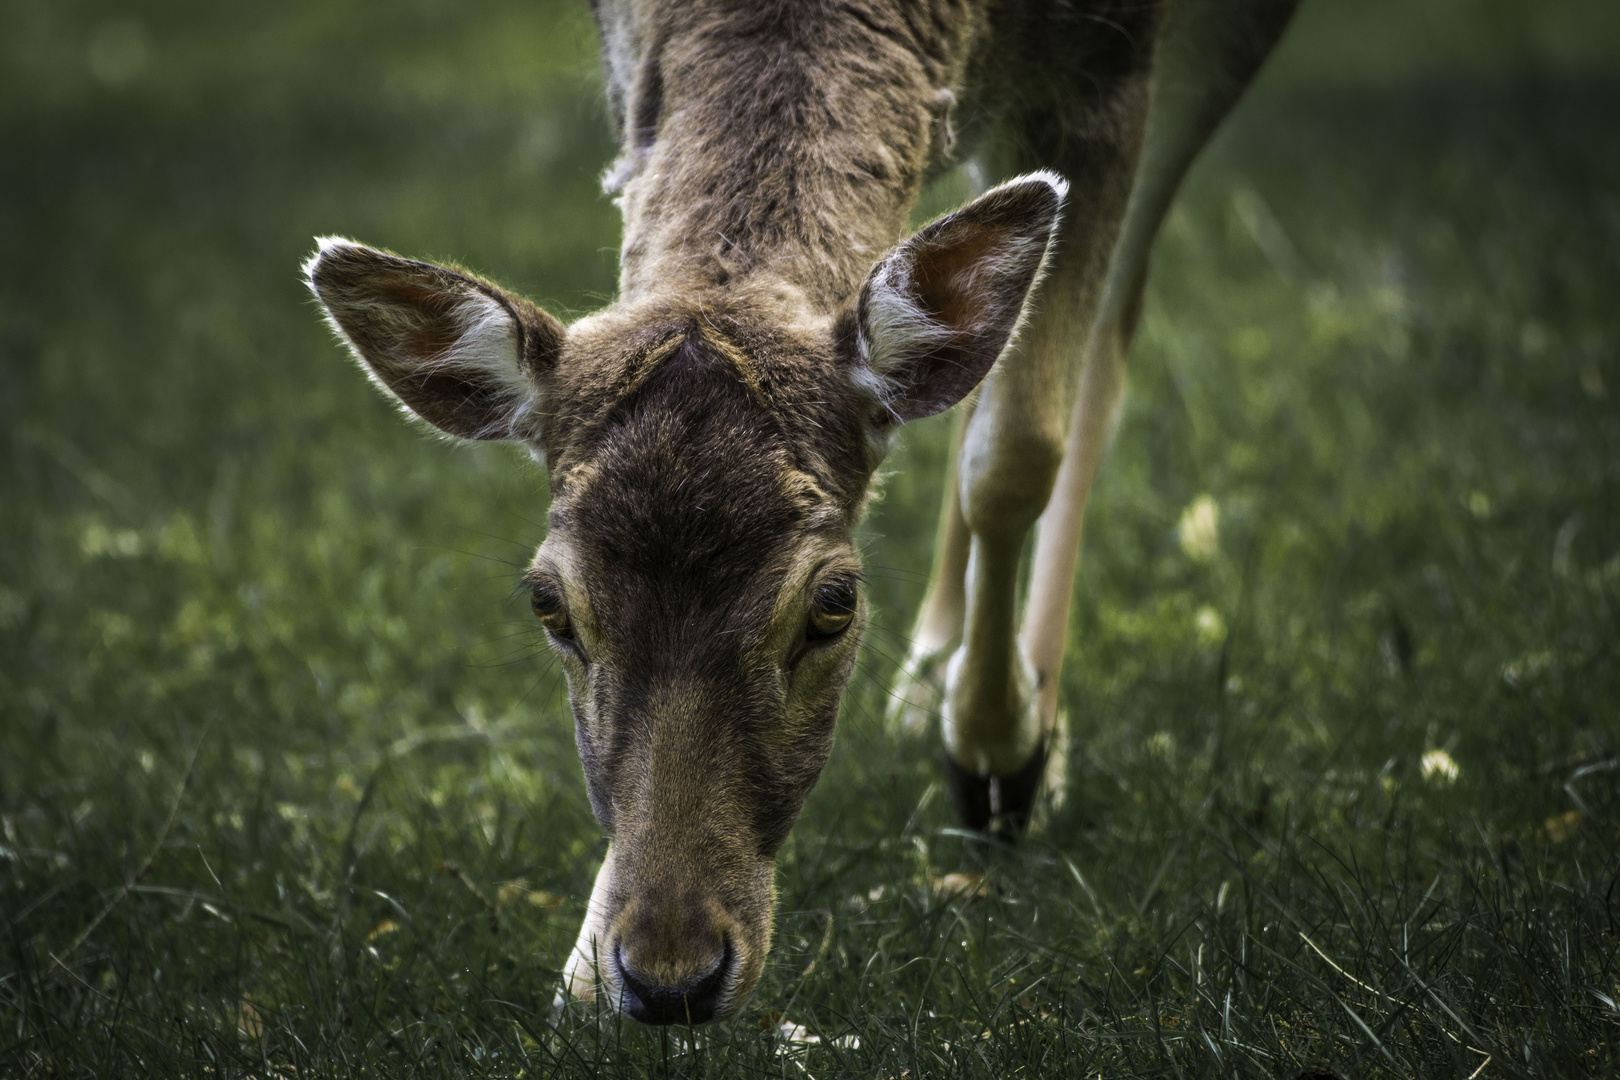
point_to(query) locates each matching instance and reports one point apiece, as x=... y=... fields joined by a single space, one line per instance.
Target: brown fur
x=711 y=435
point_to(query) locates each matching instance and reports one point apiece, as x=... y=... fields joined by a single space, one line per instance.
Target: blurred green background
x=287 y=781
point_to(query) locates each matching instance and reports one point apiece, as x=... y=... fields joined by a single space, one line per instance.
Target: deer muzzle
x=676 y=942
x=674 y=959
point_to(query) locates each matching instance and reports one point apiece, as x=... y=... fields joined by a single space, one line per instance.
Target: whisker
x=893 y=633
x=874 y=648
x=504 y=539
x=910 y=572
x=552 y=692
x=470 y=554
x=528 y=632
x=540 y=525
x=888 y=691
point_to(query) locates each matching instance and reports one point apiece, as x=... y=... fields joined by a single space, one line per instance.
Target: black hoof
x=997 y=805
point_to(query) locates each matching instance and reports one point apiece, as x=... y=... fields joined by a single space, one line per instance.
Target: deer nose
x=692 y=1001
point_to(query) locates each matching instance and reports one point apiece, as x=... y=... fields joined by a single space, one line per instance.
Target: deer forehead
x=786 y=359
x=688 y=490
x=689 y=405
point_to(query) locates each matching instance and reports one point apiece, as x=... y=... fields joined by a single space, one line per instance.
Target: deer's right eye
x=832 y=609
x=551 y=611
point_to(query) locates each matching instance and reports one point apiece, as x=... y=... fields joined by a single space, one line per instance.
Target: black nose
x=692 y=1002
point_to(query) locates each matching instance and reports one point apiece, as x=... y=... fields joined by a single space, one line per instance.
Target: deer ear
x=937 y=311
x=451 y=348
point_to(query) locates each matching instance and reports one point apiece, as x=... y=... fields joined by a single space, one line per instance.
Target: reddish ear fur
x=453 y=350
x=936 y=312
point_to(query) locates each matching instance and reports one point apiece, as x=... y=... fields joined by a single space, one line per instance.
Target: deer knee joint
x=1007 y=481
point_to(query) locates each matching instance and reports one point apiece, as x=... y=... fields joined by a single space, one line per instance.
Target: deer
x=710 y=437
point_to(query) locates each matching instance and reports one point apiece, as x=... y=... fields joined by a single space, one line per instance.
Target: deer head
x=709 y=451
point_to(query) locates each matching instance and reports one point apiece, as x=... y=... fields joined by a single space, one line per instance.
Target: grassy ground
x=287 y=788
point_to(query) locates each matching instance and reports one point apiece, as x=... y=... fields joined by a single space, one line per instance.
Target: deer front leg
x=917 y=691
x=993 y=733
x=1210 y=53
x=996 y=736
x=581 y=975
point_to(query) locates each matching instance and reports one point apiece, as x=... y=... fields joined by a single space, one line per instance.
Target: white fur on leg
x=587 y=968
x=918 y=689
x=1055 y=782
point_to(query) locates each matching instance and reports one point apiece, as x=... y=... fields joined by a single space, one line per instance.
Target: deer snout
x=685 y=945
x=693 y=1001
x=675 y=961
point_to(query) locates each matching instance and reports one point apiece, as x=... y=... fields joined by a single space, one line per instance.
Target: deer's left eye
x=832 y=609
x=551 y=611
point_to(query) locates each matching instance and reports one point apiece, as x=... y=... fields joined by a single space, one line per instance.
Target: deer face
x=709 y=456
x=699 y=583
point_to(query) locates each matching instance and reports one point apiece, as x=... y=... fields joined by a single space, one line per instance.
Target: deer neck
x=785 y=153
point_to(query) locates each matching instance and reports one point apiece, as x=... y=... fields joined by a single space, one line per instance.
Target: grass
x=287 y=787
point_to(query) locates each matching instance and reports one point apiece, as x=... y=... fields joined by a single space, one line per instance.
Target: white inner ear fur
x=895 y=328
x=485 y=352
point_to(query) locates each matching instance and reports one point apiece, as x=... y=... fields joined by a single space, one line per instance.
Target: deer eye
x=832 y=609
x=551 y=611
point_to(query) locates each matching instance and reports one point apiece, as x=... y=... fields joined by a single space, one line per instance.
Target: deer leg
x=1047 y=411
x=580 y=975
x=1011 y=457
x=1208 y=55
x=1091 y=428
x=915 y=697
